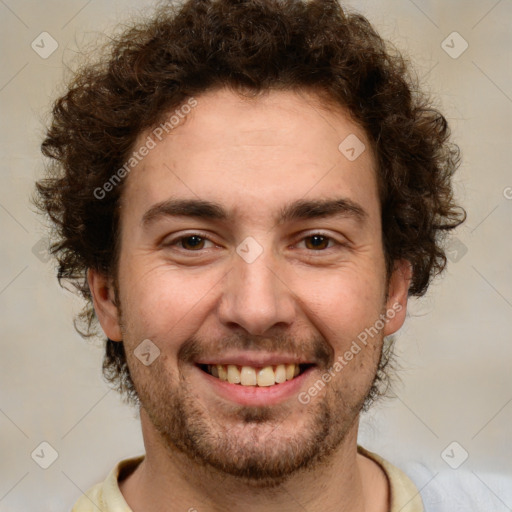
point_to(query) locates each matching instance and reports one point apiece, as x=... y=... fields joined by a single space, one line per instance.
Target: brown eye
x=192 y=242
x=316 y=242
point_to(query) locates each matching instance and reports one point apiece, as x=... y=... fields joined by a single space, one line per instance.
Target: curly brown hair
x=251 y=46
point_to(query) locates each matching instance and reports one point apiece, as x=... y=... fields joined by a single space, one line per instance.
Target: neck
x=346 y=482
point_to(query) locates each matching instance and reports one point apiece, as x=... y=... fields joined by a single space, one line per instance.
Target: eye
x=194 y=242
x=319 y=242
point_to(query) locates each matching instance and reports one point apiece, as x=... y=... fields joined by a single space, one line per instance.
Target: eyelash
x=310 y=235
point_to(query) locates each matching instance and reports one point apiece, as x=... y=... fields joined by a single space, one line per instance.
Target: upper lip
x=253 y=359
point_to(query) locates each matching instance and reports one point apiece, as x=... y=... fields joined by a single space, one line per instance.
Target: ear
x=104 y=300
x=398 y=291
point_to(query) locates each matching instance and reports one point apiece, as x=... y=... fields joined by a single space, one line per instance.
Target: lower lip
x=256 y=395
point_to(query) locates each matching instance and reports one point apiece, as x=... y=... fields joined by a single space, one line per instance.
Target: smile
x=255 y=376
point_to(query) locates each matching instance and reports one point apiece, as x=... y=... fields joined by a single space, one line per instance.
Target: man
x=246 y=193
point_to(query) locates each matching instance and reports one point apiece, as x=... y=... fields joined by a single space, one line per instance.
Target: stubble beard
x=258 y=445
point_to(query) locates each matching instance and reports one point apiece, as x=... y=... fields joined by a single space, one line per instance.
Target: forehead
x=254 y=154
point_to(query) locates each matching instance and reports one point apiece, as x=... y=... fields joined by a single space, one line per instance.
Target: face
x=251 y=250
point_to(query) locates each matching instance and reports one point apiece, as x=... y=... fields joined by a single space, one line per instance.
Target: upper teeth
x=250 y=376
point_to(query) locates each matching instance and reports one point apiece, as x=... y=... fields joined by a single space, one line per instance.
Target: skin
x=252 y=157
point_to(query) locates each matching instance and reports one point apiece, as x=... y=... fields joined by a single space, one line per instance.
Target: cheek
x=341 y=302
x=160 y=302
x=345 y=306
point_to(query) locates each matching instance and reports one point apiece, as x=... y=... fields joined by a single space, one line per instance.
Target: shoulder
x=90 y=501
x=106 y=496
x=404 y=495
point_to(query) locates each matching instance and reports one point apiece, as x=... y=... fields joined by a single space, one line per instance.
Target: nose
x=256 y=296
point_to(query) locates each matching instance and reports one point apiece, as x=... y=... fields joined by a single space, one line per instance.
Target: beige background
x=455 y=350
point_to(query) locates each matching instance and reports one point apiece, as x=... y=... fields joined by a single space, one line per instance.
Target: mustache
x=315 y=349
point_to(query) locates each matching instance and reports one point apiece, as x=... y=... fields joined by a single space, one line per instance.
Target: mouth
x=251 y=376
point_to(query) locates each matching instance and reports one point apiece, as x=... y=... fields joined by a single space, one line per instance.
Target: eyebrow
x=301 y=209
